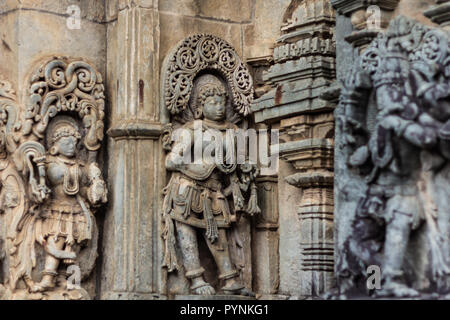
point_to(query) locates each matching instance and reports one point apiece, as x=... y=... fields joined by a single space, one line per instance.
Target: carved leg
x=50 y=268
x=397 y=235
x=227 y=271
x=187 y=239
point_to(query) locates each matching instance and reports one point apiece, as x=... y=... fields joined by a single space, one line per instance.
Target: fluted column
x=131 y=241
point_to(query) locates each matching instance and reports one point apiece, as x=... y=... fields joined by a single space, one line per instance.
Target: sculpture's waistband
x=212 y=183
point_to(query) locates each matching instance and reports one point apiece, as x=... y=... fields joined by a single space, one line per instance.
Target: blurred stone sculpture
x=51 y=183
x=396 y=124
x=205 y=196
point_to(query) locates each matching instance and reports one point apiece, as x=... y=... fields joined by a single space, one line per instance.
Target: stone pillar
x=440 y=13
x=312 y=157
x=304 y=66
x=131 y=239
x=367 y=17
x=265 y=249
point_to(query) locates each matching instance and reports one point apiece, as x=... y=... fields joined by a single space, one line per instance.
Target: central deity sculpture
x=206 y=196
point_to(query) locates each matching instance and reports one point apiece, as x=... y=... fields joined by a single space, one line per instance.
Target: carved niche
x=51 y=183
x=208 y=90
x=395 y=117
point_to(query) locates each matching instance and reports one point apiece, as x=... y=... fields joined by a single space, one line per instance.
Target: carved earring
x=198 y=113
x=53 y=150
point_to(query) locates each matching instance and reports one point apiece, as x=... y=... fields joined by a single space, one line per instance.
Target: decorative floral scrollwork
x=434 y=46
x=200 y=52
x=62 y=85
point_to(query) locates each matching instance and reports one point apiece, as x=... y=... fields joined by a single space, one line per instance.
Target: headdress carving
x=196 y=54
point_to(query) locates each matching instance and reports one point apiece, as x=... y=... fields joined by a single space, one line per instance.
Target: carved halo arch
x=69 y=85
x=205 y=53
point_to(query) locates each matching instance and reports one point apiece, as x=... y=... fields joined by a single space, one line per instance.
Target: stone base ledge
x=212 y=297
x=112 y=295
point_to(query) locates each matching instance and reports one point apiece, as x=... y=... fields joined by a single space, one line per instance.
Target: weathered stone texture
x=356 y=200
x=295 y=51
x=187 y=25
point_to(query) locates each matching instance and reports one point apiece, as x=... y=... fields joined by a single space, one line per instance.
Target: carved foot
x=46 y=283
x=203 y=289
x=235 y=288
x=398 y=290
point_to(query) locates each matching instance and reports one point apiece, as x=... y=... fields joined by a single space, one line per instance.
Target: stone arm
x=180 y=158
x=414 y=132
x=437 y=98
x=181 y=151
x=96 y=190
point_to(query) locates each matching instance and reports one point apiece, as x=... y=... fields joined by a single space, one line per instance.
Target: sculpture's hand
x=413 y=132
x=97 y=192
x=39 y=191
x=420 y=136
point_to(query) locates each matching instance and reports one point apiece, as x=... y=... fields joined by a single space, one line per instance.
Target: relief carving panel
x=208 y=90
x=51 y=182
x=395 y=121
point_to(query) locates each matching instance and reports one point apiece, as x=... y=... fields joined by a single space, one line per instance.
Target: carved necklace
x=71 y=185
x=70 y=182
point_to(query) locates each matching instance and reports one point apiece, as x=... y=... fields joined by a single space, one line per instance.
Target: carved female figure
x=196 y=196
x=66 y=219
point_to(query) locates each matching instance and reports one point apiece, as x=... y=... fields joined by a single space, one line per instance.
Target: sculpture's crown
x=64 y=129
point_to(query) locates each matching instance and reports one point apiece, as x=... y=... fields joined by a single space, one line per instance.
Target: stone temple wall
x=108 y=66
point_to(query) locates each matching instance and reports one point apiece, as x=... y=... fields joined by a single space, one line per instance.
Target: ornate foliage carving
x=50 y=184
x=395 y=125
x=61 y=86
x=205 y=52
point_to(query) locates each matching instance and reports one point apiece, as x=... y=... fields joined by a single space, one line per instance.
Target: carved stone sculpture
x=396 y=123
x=204 y=80
x=51 y=183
